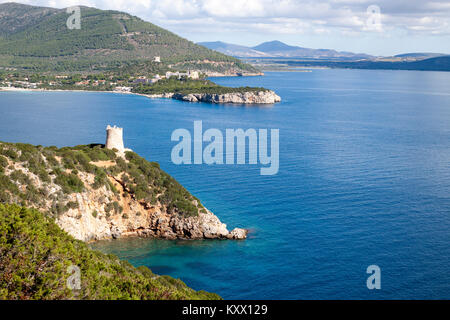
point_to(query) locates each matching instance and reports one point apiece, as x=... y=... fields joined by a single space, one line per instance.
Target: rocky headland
x=254 y=97
x=95 y=193
x=251 y=97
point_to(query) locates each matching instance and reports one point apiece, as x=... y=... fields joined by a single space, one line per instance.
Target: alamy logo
x=374 y=281
x=235 y=146
x=374 y=18
x=74 y=21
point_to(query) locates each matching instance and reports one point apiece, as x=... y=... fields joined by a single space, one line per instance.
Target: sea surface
x=364 y=180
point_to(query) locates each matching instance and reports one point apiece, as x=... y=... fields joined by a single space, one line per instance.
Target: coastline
x=260 y=97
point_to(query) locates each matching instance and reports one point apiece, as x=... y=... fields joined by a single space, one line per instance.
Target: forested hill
x=37 y=39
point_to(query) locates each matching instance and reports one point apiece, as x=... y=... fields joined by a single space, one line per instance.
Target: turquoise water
x=364 y=179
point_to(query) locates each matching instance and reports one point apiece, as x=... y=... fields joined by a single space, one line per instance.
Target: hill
x=36 y=39
x=419 y=55
x=431 y=64
x=233 y=49
x=278 y=49
x=35 y=255
x=275 y=46
x=94 y=193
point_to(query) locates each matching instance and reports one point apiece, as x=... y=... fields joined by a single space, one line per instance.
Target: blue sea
x=364 y=180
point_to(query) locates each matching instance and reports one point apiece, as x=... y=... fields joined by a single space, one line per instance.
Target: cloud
x=411 y=17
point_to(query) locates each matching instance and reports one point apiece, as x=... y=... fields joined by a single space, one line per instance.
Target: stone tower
x=114 y=138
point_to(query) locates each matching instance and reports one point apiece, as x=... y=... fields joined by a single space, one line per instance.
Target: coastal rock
x=138 y=219
x=238 y=234
x=112 y=210
x=251 y=97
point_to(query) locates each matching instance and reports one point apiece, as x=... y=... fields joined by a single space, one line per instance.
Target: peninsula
x=53 y=201
x=116 y=52
x=95 y=192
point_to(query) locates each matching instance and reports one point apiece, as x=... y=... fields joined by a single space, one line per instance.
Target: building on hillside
x=190 y=74
x=114 y=140
x=122 y=89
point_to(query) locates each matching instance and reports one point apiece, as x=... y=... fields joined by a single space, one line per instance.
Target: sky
x=377 y=27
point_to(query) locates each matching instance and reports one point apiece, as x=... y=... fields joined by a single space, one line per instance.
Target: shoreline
x=219 y=98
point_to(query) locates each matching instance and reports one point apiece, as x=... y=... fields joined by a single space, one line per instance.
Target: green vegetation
x=112 y=49
x=36 y=39
x=142 y=179
x=149 y=183
x=35 y=255
x=70 y=183
x=186 y=86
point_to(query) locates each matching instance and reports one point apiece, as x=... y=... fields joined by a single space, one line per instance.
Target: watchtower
x=114 y=138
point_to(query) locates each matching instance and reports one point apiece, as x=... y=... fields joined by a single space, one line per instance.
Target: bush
x=70 y=183
x=35 y=255
x=10 y=153
x=3 y=162
x=144 y=180
x=72 y=205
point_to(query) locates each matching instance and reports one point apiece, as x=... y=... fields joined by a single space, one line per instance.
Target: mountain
x=233 y=49
x=419 y=55
x=37 y=39
x=432 y=64
x=278 y=49
x=275 y=46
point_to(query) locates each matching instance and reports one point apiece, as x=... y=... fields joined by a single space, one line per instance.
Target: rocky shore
x=106 y=199
x=257 y=97
x=251 y=97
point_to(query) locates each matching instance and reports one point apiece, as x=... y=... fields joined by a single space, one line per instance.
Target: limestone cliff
x=250 y=97
x=94 y=193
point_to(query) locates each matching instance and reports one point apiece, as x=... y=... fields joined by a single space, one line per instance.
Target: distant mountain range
x=441 y=63
x=419 y=55
x=278 y=49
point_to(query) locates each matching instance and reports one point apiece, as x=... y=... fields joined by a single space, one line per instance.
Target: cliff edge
x=96 y=193
x=253 y=97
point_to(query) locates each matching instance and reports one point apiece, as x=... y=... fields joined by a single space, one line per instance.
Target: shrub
x=10 y=153
x=72 y=205
x=3 y=162
x=35 y=254
x=70 y=183
x=20 y=177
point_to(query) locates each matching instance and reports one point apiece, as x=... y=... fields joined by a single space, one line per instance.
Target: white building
x=122 y=89
x=190 y=74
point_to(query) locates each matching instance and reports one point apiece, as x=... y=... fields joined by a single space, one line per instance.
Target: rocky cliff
x=94 y=193
x=251 y=97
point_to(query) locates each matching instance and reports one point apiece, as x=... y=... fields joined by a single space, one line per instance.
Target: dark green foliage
x=3 y=162
x=107 y=41
x=148 y=180
x=35 y=255
x=19 y=177
x=70 y=183
x=72 y=205
x=100 y=178
x=9 y=153
x=186 y=86
x=143 y=180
